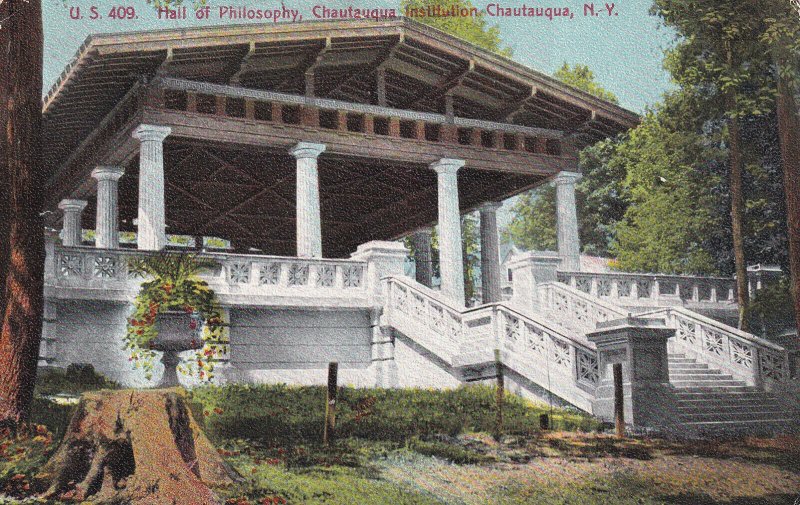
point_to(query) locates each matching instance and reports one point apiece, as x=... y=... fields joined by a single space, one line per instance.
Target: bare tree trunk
x=789 y=137
x=737 y=213
x=21 y=48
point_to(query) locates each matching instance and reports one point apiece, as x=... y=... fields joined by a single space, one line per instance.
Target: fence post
x=619 y=401
x=499 y=396
x=330 y=402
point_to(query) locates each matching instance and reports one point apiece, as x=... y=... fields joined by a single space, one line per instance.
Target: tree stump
x=134 y=446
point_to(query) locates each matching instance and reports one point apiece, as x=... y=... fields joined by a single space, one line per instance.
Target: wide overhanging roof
x=420 y=66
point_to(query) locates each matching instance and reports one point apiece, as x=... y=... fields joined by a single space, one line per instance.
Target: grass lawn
x=432 y=447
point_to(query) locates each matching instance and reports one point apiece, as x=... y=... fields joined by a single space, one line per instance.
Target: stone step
x=725 y=403
x=733 y=407
x=707 y=383
x=682 y=361
x=676 y=355
x=706 y=389
x=691 y=366
x=713 y=376
x=771 y=426
x=731 y=416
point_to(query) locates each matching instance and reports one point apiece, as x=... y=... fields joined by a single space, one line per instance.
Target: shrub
x=74 y=380
x=279 y=414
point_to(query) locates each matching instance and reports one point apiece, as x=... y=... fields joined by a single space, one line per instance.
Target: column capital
x=565 y=177
x=489 y=206
x=107 y=173
x=428 y=230
x=447 y=165
x=68 y=205
x=147 y=132
x=304 y=150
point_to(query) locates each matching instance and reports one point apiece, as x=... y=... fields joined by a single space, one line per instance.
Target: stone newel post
x=640 y=345
x=490 y=253
x=423 y=257
x=451 y=259
x=528 y=270
x=309 y=225
x=152 y=232
x=107 y=220
x=569 y=245
x=71 y=232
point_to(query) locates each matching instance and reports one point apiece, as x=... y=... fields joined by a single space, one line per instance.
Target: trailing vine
x=175 y=285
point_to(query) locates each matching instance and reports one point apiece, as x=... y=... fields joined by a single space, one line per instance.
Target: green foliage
x=21 y=456
x=600 y=194
x=174 y=286
x=472 y=29
x=470 y=244
x=771 y=311
x=283 y=414
x=448 y=451
x=579 y=76
x=533 y=222
x=74 y=380
x=671 y=211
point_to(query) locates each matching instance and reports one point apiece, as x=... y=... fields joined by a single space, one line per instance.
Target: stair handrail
x=579 y=307
x=746 y=356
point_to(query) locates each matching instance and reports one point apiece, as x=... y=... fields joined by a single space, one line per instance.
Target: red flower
x=193 y=326
x=218 y=410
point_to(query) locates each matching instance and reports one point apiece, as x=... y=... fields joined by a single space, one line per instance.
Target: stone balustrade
x=575 y=308
x=747 y=357
x=654 y=290
x=283 y=108
x=77 y=272
x=467 y=338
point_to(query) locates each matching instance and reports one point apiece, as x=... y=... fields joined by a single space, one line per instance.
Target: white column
x=423 y=257
x=106 y=228
x=71 y=230
x=309 y=225
x=569 y=244
x=451 y=259
x=152 y=231
x=490 y=253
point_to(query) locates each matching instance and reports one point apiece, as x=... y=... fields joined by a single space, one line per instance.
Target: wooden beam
x=234 y=79
x=445 y=85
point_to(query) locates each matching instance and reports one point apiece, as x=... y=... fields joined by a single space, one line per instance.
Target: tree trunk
x=21 y=174
x=789 y=137
x=737 y=213
x=132 y=446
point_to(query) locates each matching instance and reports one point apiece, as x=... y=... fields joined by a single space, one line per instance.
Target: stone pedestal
x=72 y=229
x=423 y=256
x=451 y=259
x=640 y=345
x=569 y=245
x=107 y=220
x=490 y=253
x=530 y=269
x=152 y=228
x=383 y=259
x=309 y=225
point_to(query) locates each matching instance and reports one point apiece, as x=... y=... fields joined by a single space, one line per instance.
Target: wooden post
x=330 y=402
x=500 y=391
x=619 y=402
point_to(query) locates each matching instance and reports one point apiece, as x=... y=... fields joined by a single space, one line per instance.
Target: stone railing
x=236 y=278
x=283 y=108
x=576 y=308
x=424 y=315
x=653 y=290
x=560 y=361
x=747 y=357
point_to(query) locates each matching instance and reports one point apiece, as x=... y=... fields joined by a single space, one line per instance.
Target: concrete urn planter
x=177 y=332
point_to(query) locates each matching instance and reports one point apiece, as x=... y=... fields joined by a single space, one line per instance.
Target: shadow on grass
x=703 y=499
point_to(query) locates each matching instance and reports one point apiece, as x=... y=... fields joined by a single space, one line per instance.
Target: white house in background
x=312 y=148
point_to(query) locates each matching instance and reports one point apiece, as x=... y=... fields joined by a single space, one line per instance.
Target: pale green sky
x=624 y=50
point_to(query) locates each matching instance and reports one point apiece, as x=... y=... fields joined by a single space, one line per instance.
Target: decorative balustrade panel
x=652 y=289
x=575 y=308
x=746 y=356
x=422 y=316
x=83 y=267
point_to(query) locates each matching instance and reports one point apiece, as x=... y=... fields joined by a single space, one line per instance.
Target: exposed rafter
x=234 y=79
x=445 y=85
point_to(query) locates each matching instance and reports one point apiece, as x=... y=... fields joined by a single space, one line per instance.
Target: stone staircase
x=710 y=401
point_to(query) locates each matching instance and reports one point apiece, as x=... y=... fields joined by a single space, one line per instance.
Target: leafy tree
x=473 y=29
x=21 y=228
x=672 y=201
x=600 y=194
x=746 y=55
x=579 y=76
